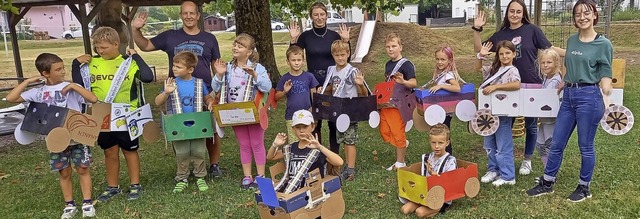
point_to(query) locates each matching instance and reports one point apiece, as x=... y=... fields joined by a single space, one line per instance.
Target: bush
x=626 y=15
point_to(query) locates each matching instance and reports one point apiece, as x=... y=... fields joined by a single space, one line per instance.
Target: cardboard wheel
x=418 y=121
x=333 y=207
x=408 y=126
x=617 y=120
x=434 y=114
x=58 y=140
x=151 y=132
x=435 y=197
x=303 y=216
x=472 y=187
x=484 y=124
x=465 y=109
x=374 y=119
x=24 y=137
x=343 y=122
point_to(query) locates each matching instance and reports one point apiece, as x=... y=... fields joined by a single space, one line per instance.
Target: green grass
x=32 y=191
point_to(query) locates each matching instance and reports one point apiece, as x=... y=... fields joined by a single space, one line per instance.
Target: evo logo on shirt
x=95 y=78
x=576 y=53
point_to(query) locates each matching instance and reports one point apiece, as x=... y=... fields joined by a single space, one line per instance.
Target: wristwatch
x=477 y=29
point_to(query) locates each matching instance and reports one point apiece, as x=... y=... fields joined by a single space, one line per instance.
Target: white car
x=275 y=25
x=231 y=29
x=74 y=32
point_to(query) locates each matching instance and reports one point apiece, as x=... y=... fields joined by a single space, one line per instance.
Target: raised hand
x=130 y=52
x=287 y=86
x=220 y=67
x=359 y=80
x=86 y=58
x=281 y=139
x=250 y=71
x=140 y=20
x=480 y=19
x=344 y=32
x=312 y=140
x=294 y=29
x=399 y=78
x=35 y=79
x=169 y=85
x=430 y=170
x=486 y=48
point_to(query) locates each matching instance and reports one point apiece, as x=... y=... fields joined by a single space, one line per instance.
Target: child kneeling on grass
x=303 y=155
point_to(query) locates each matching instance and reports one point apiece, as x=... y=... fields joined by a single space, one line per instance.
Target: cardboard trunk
x=112 y=115
x=42 y=118
x=433 y=191
x=328 y=107
x=448 y=100
x=320 y=197
x=391 y=95
x=187 y=126
x=234 y=114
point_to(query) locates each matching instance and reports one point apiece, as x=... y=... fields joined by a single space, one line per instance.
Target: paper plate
x=58 y=140
x=465 y=110
x=617 y=120
x=151 y=132
x=374 y=119
x=434 y=114
x=408 y=126
x=343 y=122
x=419 y=122
x=24 y=137
x=484 y=124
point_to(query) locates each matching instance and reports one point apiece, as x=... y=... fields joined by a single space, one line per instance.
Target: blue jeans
x=499 y=147
x=581 y=107
x=531 y=126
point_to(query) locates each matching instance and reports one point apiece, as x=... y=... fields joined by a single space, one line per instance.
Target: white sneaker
x=525 y=168
x=88 y=211
x=69 y=212
x=489 y=177
x=396 y=166
x=500 y=182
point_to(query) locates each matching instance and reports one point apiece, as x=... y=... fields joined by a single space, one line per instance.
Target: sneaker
x=69 y=211
x=214 y=171
x=348 y=174
x=396 y=166
x=108 y=194
x=135 y=191
x=489 y=177
x=525 y=168
x=202 y=185
x=542 y=188
x=180 y=186
x=246 y=183
x=501 y=181
x=582 y=192
x=88 y=211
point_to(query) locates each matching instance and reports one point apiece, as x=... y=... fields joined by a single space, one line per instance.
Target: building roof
x=31 y=3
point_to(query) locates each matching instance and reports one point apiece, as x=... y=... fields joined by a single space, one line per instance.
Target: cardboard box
x=328 y=107
x=525 y=102
x=112 y=115
x=42 y=118
x=448 y=100
x=234 y=114
x=187 y=126
x=391 y=95
x=320 y=197
x=433 y=191
x=618 y=69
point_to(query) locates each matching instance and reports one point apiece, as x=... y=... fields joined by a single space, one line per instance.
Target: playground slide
x=364 y=41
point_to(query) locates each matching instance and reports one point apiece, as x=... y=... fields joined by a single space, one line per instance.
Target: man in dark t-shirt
x=189 y=38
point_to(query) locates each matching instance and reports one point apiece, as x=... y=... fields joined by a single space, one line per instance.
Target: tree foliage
x=172 y=12
x=7 y=6
x=224 y=7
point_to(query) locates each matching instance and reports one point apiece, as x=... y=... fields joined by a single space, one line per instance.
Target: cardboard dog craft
x=391 y=95
x=434 y=191
x=59 y=124
x=120 y=117
x=320 y=197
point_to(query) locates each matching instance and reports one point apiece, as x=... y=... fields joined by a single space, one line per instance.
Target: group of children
x=240 y=80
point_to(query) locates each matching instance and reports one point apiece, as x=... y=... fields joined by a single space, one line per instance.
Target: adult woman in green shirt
x=588 y=61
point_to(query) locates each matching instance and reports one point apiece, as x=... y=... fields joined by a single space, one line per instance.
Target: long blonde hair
x=248 y=42
x=452 y=63
x=551 y=54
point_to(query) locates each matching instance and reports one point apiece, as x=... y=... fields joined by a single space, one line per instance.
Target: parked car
x=332 y=18
x=231 y=29
x=275 y=25
x=74 y=32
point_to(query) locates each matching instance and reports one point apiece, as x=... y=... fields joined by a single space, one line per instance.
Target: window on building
x=209 y=22
x=215 y=22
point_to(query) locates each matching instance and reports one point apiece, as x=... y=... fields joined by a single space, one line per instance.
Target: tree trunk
x=253 y=18
x=111 y=16
x=632 y=4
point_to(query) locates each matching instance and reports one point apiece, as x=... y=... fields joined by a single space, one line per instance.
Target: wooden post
x=13 y=21
x=84 y=24
x=498 y=14
x=538 y=13
x=129 y=14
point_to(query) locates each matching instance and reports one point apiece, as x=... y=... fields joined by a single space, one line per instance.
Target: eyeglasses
x=585 y=14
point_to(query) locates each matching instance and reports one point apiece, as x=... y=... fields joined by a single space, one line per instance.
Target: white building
x=408 y=15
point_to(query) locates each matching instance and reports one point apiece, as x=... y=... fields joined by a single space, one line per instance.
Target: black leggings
x=447 y=122
x=333 y=139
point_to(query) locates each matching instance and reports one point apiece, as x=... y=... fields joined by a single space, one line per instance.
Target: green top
x=102 y=73
x=588 y=62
